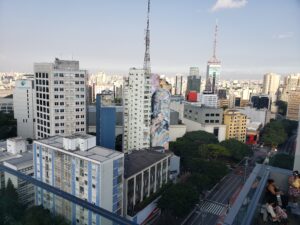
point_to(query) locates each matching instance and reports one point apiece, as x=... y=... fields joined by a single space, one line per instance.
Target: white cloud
x=284 y=35
x=228 y=4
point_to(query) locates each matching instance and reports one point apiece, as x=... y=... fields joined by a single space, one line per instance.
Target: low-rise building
x=146 y=171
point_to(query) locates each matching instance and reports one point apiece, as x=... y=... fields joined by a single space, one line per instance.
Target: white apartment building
x=137 y=110
x=271 y=85
x=209 y=100
x=23 y=98
x=60 y=99
x=76 y=165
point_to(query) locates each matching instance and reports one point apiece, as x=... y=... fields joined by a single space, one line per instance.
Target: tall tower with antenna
x=147 y=66
x=137 y=101
x=213 y=68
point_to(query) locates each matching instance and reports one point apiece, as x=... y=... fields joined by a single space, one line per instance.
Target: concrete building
x=137 y=110
x=253 y=132
x=145 y=173
x=271 y=85
x=6 y=105
x=76 y=165
x=261 y=101
x=16 y=154
x=60 y=100
x=235 y=125
x=24 y=164
x=209 y=100
x=193 y=80
x=293 y=105
x=105 y=124
x=262 y=116
x=291 y=83
x=203 y=115
x=23 y=98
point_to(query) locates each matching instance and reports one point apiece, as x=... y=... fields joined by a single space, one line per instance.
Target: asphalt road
x=289 y=145
x=223 y=193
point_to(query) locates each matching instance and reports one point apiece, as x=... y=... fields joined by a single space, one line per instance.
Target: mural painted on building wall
x=160 y=119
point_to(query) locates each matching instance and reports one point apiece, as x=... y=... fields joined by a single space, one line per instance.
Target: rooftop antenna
x=215 y=40
x=147 y=43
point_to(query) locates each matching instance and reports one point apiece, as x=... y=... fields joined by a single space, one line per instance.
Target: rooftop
x=21 y=160
x=96 y=153
x=138 y=160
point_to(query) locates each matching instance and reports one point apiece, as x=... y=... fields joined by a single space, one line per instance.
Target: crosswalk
x=211 y=207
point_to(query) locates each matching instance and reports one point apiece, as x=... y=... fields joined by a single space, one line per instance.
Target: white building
x=271 y=85
x=6 y=105
x=76 y=165
x=60 y=98
x=23 y=107
x=262 y=116
x=137 y=110
x=209 y=100
x=219 y=130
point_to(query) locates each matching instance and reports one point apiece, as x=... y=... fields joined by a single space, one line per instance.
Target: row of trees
x=12 y=212
x=203 y=164
x=278 y=131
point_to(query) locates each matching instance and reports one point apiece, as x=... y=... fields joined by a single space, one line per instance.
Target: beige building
x=291 y=83
x=271 y=85
x=235 y=123
x=293 y=105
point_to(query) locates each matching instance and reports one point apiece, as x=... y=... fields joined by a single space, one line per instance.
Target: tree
x=238 y=150
x=213 y=151
x=274 y=134
x=201 y=181
x=179 y=199
x=283 y=161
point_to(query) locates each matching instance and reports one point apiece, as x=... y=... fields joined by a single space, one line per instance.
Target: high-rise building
x=291 y=83
x=193 y=80
x=261 y=101
x=293 y=105
x=213 y=69
x=160 y=119
x=235 y=125
x=105 y=124
x=137 y=101
x=137 y=110
x=60 y=100
x=24 y=107
x=77 y=166
x=271 y=85
x=297 y=152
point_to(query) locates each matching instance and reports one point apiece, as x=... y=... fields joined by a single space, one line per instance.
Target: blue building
x=105 y=124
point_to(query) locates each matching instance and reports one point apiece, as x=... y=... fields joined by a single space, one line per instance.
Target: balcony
x=58 y=202
x=248 y=207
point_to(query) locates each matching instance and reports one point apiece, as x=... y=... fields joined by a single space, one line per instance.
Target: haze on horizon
x=255 y=36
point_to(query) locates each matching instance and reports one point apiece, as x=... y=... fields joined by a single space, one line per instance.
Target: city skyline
x=177 y=42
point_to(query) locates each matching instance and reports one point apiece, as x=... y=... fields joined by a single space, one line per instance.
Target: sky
x=255 y=36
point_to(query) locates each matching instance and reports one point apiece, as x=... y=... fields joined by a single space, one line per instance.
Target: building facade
x=293 y=105
x=6 y=105
x=271 y=84
x=137 y=110
x=144 y=178
x=203 y=115
x=105 y=124
x=261 y=101
x=235 y=125
x=60 y=98
x=209 y=100
x=23 y=98
x=76 y=165
x=193 y=80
